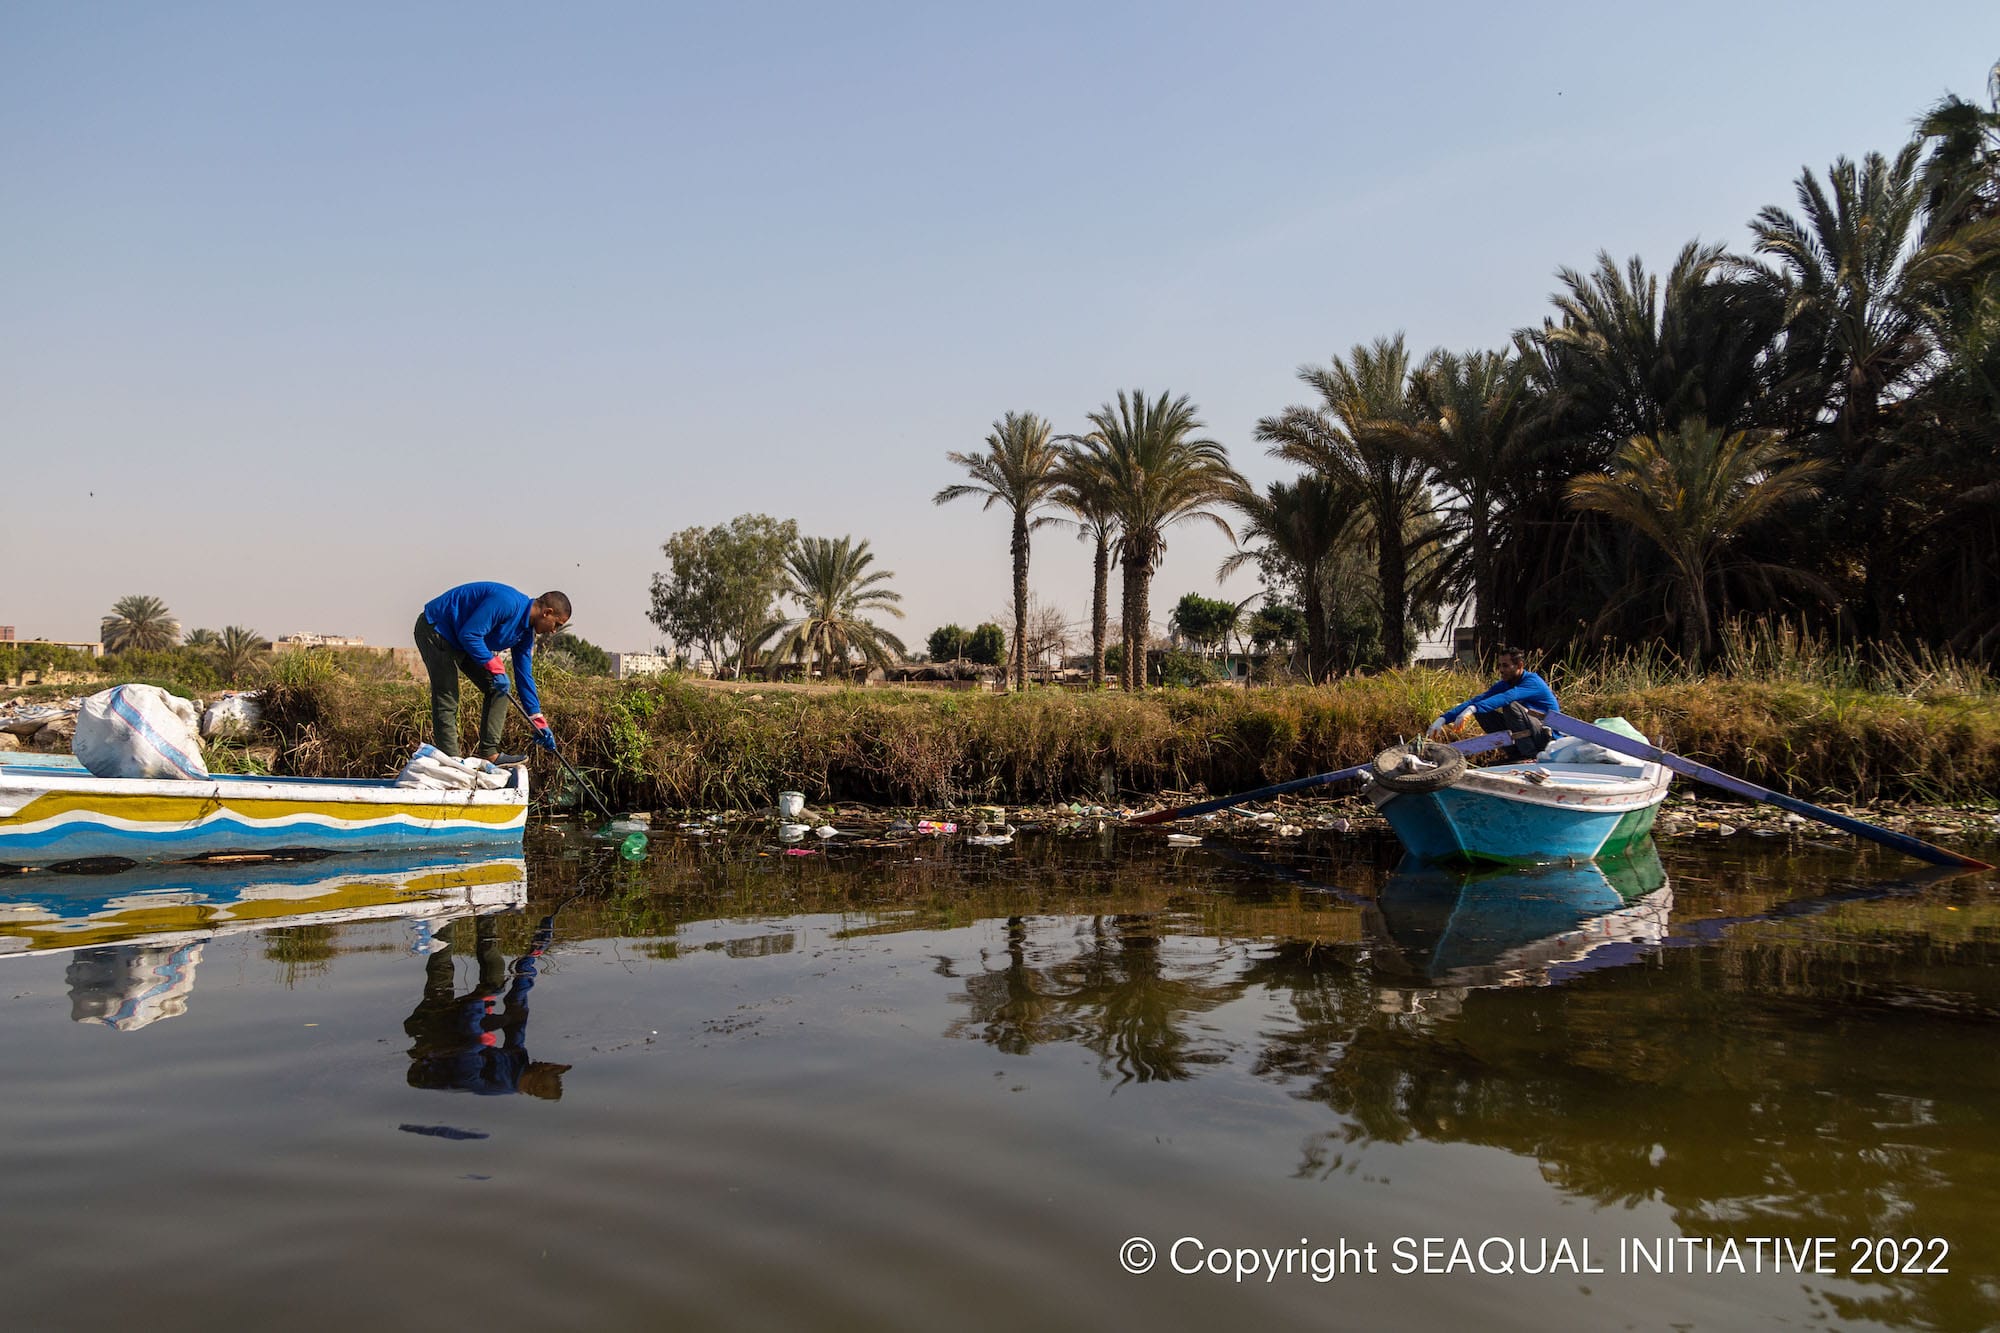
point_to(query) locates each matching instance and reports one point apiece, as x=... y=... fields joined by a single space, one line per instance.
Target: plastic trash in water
x=626 y=825
x=790 y=803
x=989 y=839
x=1182 y=839
x=793 y=832
x=826 y=831
x=634 y=847
x=936 y=826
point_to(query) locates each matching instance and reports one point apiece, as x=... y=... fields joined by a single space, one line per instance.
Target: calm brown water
x=944 y=1086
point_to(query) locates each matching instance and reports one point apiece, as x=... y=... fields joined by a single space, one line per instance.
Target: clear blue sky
x=308 y=312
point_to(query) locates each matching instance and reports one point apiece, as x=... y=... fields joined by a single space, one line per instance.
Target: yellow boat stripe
x=193 y=809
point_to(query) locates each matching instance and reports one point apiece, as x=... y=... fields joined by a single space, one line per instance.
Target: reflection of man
x=477 y=1042
x=127 y=986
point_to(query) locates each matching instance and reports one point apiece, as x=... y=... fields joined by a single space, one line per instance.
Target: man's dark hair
x=556 y=602
x=1508 y=650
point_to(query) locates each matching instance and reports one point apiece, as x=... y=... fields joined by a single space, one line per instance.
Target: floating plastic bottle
x=634 y=847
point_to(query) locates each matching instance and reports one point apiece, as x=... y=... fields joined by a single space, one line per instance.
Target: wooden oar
x=1473 y=745
x=1902 y=842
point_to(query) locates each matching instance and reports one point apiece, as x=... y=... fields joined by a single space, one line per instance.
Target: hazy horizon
x=315 y=312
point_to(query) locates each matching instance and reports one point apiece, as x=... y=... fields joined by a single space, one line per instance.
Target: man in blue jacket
x=1503 y=705
x=465 y=631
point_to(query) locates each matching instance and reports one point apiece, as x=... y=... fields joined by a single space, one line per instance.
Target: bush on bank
x=673 y=743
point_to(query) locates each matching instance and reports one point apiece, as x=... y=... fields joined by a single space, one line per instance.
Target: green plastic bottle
x=634 y=847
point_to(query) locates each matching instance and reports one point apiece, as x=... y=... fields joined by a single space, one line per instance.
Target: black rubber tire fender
x=1387 y=770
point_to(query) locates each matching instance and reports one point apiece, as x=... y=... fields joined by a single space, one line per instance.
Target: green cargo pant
x=445 y=661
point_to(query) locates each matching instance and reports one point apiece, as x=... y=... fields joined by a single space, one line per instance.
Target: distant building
x=92 y=649
x=293 y=642
x=627 y=665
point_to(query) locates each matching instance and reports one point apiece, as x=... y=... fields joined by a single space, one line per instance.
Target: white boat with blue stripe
x=51 y=814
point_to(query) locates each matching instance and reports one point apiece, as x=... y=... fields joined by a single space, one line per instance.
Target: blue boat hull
x=1460 y=825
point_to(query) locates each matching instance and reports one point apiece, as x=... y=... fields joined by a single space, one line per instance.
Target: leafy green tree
x=1206 y=621
x=987 y=645
x=1156 y=471
x=1275 y=628
x=830 y=580
x=722 y=584
x=1361 y=435
x=201 y=639
x=236 y=650
x=1018 y=470
x=576 y=655
x=139 y=623
x=947 y=642
x=1690 y=492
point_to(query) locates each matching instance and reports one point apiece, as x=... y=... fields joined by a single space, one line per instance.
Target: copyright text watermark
x=1537 y=1256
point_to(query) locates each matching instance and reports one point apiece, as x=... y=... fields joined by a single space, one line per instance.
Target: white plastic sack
x=432 y=768
x=138 y=731
x=1576 y=750
x=231 y=717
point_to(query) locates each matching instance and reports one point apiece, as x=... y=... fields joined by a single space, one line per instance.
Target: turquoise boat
x=51 y=814
x=1577 y=802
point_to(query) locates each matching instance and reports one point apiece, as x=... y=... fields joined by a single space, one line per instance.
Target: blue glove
x=497 y=684
x=543 y=736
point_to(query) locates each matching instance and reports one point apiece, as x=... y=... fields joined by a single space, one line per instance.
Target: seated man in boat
x=1503 y=705
x=464 y=631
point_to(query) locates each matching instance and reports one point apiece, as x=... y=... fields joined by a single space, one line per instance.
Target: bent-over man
x=463 y=632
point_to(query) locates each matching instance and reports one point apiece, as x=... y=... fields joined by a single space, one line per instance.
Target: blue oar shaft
x=1902 y=842
x=1472 y=745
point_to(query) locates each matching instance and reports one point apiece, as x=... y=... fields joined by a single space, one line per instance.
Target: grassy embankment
x=677 y=744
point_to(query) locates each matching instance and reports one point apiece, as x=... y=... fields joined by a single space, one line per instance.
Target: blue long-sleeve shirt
x=485 y=619
x=1531 y=691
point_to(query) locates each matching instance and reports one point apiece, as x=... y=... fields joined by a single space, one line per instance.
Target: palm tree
x=1362 y=436
x=1865 y=286
x=237 y=649
x=203 y=639
x=1017 y=470
x=1633 y=355
x=1156 y=472
x=829 y=579
x=1294 y=528
x=139 y=623
x=1085 y=493
x=1473 y=409
x=1962 y=173
x=1690 y=492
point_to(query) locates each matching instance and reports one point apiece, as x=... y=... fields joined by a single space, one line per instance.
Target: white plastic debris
x=232 y=717
x=139 y=731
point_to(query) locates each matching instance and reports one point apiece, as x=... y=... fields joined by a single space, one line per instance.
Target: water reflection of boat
x=170 y=906
x=1457 y=931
